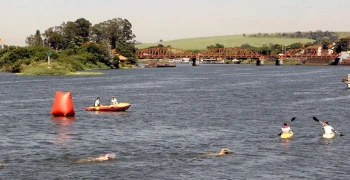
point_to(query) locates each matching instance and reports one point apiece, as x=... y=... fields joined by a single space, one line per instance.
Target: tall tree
x=342 y=45
x=69 y=30
x=97 y=32
x=53 y=39
x=116 y=30
x=35 y=40
x=30 y=40
x=325 y=42
x=83 y=28
x=38 y=41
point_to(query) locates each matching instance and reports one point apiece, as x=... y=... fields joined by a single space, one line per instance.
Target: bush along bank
x=33 y=60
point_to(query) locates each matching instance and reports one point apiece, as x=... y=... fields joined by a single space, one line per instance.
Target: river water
x=175 y=115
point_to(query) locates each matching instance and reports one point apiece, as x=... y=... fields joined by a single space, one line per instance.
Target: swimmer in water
x=223 y=152
x=2 y=165
x=105 y=157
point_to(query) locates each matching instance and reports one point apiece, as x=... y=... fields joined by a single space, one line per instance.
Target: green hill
x=230 y=41
x=227 y=41
x=343 y=34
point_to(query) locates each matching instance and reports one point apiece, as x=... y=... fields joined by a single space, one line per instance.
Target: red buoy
x=63 y=104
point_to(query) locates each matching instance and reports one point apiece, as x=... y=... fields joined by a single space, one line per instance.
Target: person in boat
x=114 y=101
x=327 y=128
x=105 y=157
x=97 y=102
x=223 y=152
x=286 y=129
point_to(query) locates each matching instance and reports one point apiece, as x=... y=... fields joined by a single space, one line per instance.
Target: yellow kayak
x=328 y=136
x=287 y=135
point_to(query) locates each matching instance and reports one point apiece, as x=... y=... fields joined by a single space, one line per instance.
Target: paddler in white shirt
x=327 y=128
x=114 y=101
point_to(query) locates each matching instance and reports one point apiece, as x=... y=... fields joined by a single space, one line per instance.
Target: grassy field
x=227 y=41
x=343 y=34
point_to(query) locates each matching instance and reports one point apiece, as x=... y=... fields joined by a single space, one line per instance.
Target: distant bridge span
x=234 y=53
x=164 y=52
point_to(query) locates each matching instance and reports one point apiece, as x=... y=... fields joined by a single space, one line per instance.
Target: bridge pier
x=337 y=61
x=260 y=62
x=195 y=62
x=346 y=81
x=279 y=62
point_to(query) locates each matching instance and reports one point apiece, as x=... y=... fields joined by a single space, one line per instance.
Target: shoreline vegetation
x=69 y=74
x=33 y=61
x=72 y=48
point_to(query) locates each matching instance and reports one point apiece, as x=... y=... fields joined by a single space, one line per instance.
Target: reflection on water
x=62 y=126
x=326 y=141
x=63 y=120
x=285 y=144
x=112 y=113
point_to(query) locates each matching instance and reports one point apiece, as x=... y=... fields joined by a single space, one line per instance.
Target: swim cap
x=108 y=156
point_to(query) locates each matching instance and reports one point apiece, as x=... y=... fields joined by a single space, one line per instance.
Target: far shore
x=80 y=73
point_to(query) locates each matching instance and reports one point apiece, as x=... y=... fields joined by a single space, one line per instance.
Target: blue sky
x=153 y=20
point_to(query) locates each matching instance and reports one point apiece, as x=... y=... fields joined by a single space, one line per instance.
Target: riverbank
x=58 y=68
x=293 y=61
x=70 y=74
x=34 y=60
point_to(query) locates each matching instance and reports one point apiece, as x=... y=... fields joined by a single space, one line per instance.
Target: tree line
x=73 y=46
x=322 y=38
x=115 y=33
x=342 y=44
x=319 y=36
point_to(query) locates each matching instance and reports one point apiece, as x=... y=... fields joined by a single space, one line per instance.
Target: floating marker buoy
x=63 y=104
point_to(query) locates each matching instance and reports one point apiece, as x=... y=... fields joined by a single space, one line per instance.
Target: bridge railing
x=163 y=52
x=171 y=53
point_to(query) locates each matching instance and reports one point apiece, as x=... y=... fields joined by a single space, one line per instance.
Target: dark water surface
x=176 y=114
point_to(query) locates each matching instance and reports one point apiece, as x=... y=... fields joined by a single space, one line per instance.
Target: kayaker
x=286 y=129
x=327 y=128
x=114 y=101
x=97 y=102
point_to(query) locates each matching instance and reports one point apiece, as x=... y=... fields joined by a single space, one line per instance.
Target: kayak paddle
x=292 y=119
x=314 y=118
